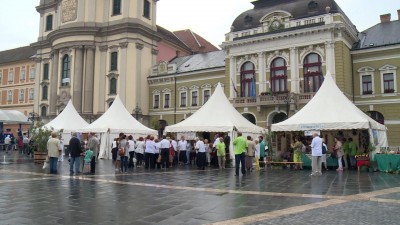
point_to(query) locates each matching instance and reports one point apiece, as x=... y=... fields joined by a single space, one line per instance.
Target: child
x=88 y=158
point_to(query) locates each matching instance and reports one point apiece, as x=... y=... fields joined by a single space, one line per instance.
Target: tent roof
x=116 y=120
x=68 y=120
x=12 y=116
x=217 y=115
x=330 y=109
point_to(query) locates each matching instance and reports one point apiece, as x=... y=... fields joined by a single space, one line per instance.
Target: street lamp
x=32 y=116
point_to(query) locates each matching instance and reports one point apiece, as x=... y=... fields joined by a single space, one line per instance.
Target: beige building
x=90 y=51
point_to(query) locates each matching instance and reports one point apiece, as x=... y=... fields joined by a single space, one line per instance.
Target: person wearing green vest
x=346 y=153
x=352 y=148
x=240 y=144
x=262 y=151
x=221 y=153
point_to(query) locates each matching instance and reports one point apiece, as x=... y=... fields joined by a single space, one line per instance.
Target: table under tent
x=116 y=120
x=217 y=115
x=332 y=114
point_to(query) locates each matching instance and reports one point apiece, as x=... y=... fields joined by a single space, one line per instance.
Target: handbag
x=323 y=149
x=159 y=158
x=121 y=152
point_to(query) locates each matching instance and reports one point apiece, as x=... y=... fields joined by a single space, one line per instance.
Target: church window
x=116 y=8
x=146 y=9
x=66 y=70
x=49 y=22
x=44 y=92
x=114 y=61
x=113 y=86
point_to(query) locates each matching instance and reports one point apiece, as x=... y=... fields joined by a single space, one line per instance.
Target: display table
x=306 y=158
x=387 y=162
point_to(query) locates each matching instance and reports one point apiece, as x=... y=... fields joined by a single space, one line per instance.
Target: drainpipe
x=352 y=77
x=175 y=101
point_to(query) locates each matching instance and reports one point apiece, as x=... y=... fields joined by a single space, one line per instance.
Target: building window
x=21 y=94
x=66 y=70
x=166 y=100
x=32 y=73
x=44 y=92
x=377 y=116
x=114 y=61
x=367 y=84
x=247 y=80
x=146 y=9
x=194 y=98
x=49 y=22
x=1 y=77
x=183 y=99
x=206 y=94
x=31 y=93
x=45 y=71
x=278 y=76
x=156 y=103
x=312 y=73
x=9 y=96
x=10 y=76
x=388 y=83
x=43 y=111
x=22 y=75
x=116 y=9
x=113 y=86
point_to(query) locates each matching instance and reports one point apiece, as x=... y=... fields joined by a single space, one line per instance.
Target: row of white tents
x=330 y=109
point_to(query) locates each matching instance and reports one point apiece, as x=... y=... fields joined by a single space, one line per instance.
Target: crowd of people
x=20 y=143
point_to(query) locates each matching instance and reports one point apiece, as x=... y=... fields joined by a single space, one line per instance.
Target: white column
x=294 y=70
x=123 y=71
x=102 y=78
x=37 y=85
x=261 y=73
x=330 y=58
x=232 y=77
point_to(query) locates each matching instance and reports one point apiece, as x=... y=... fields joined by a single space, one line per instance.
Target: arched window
x=279 y=118
x=110 y=104
x=278 y=75
x=66 y=70
x=312 y=73
x=247 y=80
x=377 y=116
x=49 y=22
x=44 y=92
x=43 y=111
x=249 y=117
x=113 y=86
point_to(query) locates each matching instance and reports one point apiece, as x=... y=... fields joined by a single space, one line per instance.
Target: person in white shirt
x=157 y=154
x=139 y=151
x=174 y=144
x=182 y=148
x=131 y=151
x=201 y=155
x=316 y=152
x=164 y=147
x=7 y=142
x=149 y=153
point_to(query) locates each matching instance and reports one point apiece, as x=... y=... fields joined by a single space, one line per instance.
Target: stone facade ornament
x=242 y=59
x=139 y=46
x=62 y=99
x=69 y=10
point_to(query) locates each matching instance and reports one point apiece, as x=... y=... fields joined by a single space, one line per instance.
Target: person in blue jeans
x=53 y=152
x=75 y=149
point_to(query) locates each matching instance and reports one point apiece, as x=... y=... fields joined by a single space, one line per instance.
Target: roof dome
x=296 y=8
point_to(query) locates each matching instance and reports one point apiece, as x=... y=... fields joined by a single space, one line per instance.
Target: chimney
x=385 y=18
x=398 y=14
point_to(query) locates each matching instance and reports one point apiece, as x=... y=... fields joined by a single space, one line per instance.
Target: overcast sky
x=212 y=19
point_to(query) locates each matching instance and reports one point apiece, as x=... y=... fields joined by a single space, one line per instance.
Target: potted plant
x=39 y=139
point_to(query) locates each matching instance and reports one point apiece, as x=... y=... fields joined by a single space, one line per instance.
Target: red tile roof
x=194 y=41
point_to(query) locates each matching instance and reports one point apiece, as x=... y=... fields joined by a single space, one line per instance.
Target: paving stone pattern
x=184 y=195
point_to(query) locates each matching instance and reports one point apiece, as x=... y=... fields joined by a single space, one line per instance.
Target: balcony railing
x=272 y=100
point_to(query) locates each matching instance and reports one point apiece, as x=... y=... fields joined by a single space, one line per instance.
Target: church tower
x=90 y=51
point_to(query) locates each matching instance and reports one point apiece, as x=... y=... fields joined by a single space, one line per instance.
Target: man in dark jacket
x=76 y=151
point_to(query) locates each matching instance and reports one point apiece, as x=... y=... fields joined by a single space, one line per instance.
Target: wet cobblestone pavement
x=184 y=195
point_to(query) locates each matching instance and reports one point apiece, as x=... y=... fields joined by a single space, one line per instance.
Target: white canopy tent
x=217 y=115
x=330 y=109
x=114 y=121
x=13 y=117
x=68 y=120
